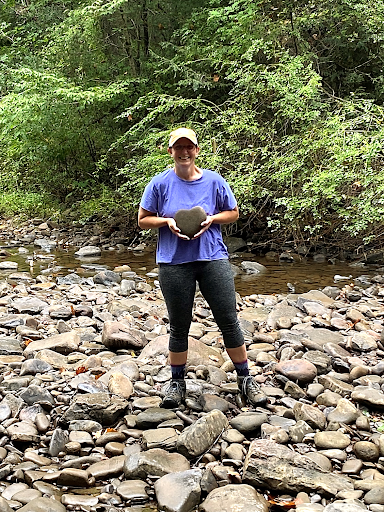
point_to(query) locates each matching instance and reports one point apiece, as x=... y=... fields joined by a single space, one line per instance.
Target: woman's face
x=184 y=152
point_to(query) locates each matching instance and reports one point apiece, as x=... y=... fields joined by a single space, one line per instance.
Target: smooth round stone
x=12 y=489
x=110 y=437
x=362 y=423
x=352 y=467
x=366 y=451
x=112 y=449
x=331 y=440
x=78 y=500
x=234 y=451
x=72 y=477
x=375 y=496
x=37 y=459
x=314 y=390
x=248 y=421
x=189 y=221
x=297 y=369
x=73 y=447
x=86 y=425
x=233 y=436
x=41 y=422
x=210 y=402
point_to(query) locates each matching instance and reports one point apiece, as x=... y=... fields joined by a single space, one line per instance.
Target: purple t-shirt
x=167 y=193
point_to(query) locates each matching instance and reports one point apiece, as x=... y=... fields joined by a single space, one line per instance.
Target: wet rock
x=89 y=250
x=252 y=267
x=133 y=491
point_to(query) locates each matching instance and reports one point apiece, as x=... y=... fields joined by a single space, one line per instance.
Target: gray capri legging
x=215 y=278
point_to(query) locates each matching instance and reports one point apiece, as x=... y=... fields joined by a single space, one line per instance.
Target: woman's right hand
x=175 y=230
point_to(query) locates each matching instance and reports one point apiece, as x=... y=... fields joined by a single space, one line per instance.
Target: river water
x=303 y=275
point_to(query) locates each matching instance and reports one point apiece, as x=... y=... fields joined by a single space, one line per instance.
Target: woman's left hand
x=206 y=224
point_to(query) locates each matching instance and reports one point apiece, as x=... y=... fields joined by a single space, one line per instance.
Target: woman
x=204 y=258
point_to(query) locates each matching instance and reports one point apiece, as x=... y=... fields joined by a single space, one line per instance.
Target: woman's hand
x=175 y=230
x=206 y=224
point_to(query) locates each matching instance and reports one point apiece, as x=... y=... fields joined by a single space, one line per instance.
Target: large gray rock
x=320 y=336
x=155 y=462
x=185 y=495
x=32 y=305
x=95 y=406
x=277 y=468
x=9 y=346
x=252 y=267
x=43 y=505
x=63 y=343
x=281 y=310
x=242 y=498
x=198 y=352
x=368 y=396
x=107 y=468
x=198 y=437
x=118 y=335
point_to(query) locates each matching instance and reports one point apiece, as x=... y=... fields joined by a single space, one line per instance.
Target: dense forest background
x=286 y=96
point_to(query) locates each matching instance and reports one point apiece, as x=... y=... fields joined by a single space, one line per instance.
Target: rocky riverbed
x=82 y=363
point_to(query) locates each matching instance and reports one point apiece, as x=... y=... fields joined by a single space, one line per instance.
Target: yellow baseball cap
x=183 y=132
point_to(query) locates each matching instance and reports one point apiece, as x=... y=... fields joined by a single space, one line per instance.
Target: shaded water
x=304 y=275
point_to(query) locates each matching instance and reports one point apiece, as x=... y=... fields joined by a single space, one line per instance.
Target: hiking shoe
x=251 y=391
x=174 y=393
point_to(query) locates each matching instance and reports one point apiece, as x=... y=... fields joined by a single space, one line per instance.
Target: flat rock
x=165 y=438
x=133 y=490
x=368 y=396
x=43 y=505
x=31 y=305
x=242 y=498
x=10 y=346
x=108 y=468
x=63 y=343
x=270 y=465
x=99 y=407
x=88 y=250
x=155 y=462
x=119 y=335
x=345 y=412
x=330 y=440
x=247 y=422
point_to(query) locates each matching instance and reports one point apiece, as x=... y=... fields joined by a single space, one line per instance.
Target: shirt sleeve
x=226 y=199
x=150 y=198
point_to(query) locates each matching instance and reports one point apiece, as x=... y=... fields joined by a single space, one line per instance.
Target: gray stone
x=330 y=439
x=108 y=468
x=34 y=366
x=58 y=441
x=107 y=278
x=155 y=462
x=270 y=465
x=119 y=335
x=43 y=505
x=242 y=498
x=63 y=343
x=368 y=396
x=32 y=305
x=345 y=412
x=198 y=437
x=311 y=415
x=252 y=267
x=248 y=421
x=89 y=250
x=10 y=346
x=36 y=394
x=95 y=406
x=189 y=221
x=165 y=438
x=133 y=490
x=186 y=491
x=297 y=370
x=344 y=506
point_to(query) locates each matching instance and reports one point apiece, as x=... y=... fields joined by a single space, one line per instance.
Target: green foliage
x=27 y=205
x=286 y=98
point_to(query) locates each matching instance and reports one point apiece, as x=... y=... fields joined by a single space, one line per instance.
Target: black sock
x=178 y=371
x=242 y=368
